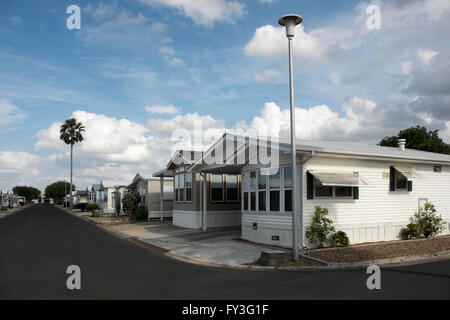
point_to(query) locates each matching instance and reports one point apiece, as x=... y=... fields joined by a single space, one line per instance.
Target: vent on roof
x=402 y=144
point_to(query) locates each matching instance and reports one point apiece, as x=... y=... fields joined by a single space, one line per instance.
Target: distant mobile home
x=159 y=205
x=202 y=200
x=371 y=191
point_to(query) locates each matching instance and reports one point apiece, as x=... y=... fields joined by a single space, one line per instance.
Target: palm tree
x=71 y=133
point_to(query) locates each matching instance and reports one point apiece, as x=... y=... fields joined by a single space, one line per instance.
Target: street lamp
x=290 y=21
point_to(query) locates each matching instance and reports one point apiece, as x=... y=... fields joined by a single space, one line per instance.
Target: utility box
x=270 y=257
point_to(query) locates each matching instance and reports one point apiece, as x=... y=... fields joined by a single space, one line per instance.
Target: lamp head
x=290 y=21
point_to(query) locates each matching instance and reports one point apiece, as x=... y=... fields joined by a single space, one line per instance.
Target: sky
x=138 y=72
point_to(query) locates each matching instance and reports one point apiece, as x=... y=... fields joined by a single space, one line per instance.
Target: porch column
x=204 y=202
x=161 y=195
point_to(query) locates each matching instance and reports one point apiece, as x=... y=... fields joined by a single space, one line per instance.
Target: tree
x=57 y=190
x=29 y=193
x=130 y=202
x=418 y=138
x=71 y=132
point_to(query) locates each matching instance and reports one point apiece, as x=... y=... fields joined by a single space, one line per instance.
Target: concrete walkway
x=218 y=246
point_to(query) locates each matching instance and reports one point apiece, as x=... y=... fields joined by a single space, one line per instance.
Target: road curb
x=398 y=261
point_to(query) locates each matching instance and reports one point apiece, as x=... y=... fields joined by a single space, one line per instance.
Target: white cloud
x=10 y=114
x=205 y=12
x=169 y=55
x=266 y=75
x=427 y=56
x=163 y=109
x=269 y=42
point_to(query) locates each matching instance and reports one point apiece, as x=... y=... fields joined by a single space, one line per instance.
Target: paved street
x=38 y=243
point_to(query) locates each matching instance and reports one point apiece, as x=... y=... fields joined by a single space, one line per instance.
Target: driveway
x=217 y=245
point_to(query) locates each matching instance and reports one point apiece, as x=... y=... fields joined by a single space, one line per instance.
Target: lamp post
x=290 y=21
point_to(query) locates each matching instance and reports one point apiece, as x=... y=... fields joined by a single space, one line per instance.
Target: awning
x=408 y=172
x=341 y=179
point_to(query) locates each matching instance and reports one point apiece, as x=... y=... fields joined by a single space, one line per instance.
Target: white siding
x=377 y=215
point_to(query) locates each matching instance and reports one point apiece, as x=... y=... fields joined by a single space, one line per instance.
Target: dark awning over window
x=343 y=179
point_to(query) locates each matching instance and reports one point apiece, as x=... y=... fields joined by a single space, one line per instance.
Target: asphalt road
x=38 y=243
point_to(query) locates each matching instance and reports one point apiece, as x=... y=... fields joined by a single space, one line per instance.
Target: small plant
x=142 y=213
x=340 y=239
x=94 y=208
x=412 y=230
x=429 y=222
x=320 y=228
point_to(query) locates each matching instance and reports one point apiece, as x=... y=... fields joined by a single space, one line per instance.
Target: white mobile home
x=159 y=204
x=370 y=191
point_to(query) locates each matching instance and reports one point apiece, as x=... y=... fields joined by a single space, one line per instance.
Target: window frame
x=333 y=192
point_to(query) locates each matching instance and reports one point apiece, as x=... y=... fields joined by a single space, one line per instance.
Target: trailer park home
x=156 y=194
x=202 y=200
x=371 y=191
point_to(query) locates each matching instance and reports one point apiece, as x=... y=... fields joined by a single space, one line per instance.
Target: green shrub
x=320 y=228
x=130 y=202
x=92 y=206
x=81 y=206
x=141 y=213
x=430 y=223
x=340 y=239
x=412 y=230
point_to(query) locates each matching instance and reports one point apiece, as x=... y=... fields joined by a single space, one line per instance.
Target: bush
x=81 y=206
x=429 y=222
x=141 y=213
x=130 y=202
x=412 y=230
x=340 y=239
x=320 y=228
x=96 y=214
x=92 y=206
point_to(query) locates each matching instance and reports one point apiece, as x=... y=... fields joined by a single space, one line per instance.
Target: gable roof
x=318 y=147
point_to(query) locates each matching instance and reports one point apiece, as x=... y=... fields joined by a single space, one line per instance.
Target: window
x=262 y=185
x=176 y=188
x=322 y=191
x=216 y=188
x=253 y=187
x=232 y=188
x=343 y=191
x=274 y=187
x=188 y=187
x=437 y=169
x=287 y=183
x=401 y=182
x=245 y=190
x=181 y=186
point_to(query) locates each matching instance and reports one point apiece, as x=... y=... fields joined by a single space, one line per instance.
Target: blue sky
x=219 y=61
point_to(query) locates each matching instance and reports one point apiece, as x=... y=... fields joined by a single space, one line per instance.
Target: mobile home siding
x=377 y=214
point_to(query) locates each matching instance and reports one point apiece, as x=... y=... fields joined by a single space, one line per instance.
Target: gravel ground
x=357 y=253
